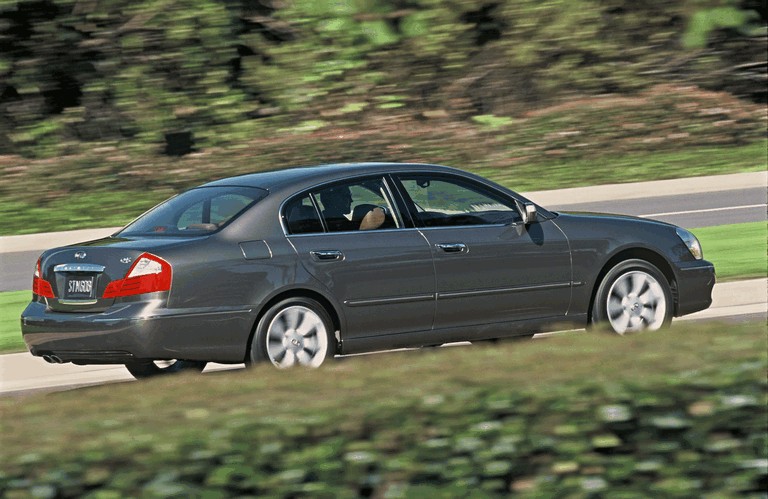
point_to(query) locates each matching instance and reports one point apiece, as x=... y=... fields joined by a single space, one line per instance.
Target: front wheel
x=149 y=368
x=633 y=296
x=293 y=332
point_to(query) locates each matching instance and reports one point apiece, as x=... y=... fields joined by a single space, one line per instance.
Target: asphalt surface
x=688 y=210
x=689 y=203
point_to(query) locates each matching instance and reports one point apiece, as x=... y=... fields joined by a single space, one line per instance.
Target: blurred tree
x=74 y=73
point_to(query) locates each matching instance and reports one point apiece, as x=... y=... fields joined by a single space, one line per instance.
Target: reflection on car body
x=297 y=265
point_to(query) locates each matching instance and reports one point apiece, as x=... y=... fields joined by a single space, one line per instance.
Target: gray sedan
x=294 y=266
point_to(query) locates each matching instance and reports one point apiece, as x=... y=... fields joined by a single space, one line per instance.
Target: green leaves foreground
x=681 y=413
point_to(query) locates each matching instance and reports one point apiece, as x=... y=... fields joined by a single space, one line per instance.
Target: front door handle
x=326 y=255
x=453 y=247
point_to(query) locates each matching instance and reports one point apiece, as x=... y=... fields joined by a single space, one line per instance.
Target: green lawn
x=738 y=252
x=25 y=213
x=12 y=303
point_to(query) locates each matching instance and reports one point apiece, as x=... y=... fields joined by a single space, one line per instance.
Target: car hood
x=596 y=216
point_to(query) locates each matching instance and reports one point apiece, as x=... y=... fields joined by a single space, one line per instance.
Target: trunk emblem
x=80 y=255
x=127 y=259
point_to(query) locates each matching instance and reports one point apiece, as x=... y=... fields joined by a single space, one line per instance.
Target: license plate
x=79 y=287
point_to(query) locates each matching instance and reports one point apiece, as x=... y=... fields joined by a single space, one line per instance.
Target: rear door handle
x=453 y=247
x=326 y=255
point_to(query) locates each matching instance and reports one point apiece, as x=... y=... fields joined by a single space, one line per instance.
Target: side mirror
x=527 y=211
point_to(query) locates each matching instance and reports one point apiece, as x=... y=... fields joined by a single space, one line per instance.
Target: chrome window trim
x=359 y=232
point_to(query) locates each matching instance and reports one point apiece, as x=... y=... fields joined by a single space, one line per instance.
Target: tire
x=150 y=368
x=633 y=296
x=293 y=332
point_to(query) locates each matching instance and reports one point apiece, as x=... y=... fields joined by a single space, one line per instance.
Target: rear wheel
x=149 y=368
x=633 y=296
x=293 y=332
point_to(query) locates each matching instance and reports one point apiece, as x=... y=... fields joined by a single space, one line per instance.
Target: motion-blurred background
x=123 y=103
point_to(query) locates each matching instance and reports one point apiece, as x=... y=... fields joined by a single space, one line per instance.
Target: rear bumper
x=695 y=281
x=137 y=331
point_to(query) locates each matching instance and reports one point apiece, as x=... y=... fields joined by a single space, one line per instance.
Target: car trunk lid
x=79 y=274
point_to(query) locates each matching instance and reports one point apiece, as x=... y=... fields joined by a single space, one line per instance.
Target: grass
x=12 y=303
x=96 y=186
x=382 y=409
x=633 y=167
x=739 y=251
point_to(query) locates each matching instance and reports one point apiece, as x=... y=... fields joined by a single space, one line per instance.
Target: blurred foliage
x=216 y=73
x=581 y=415
x=132 y=100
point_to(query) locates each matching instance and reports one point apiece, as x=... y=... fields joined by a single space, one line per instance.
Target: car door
x=490 y=267
x=351 y=237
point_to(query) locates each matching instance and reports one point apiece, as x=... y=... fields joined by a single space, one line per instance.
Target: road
x=23 y=374
x=690 y=203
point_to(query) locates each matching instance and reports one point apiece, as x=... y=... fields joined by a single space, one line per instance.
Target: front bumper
x=139 y=330
x=695 y=281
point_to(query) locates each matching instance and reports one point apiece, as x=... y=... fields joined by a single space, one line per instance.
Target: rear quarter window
x=199 y=211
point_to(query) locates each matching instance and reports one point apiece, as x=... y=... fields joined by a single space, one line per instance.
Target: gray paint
x=388 y=289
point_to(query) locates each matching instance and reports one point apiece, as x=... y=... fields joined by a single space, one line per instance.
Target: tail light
x=40 y=286
x=148 y=274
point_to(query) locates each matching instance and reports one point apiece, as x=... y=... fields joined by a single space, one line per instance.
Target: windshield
x=195 y=212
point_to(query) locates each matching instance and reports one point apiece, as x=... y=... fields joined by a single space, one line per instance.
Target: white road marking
x=707 y=210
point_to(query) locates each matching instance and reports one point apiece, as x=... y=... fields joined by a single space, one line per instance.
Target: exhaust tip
x=48 y=359
x=55 y=359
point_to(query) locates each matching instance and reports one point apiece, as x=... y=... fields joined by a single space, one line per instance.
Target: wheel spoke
x=648 y=315
x=288 y=360
x=305 y=357
x=639 y=283
x=292 y=317
x=621 y=287
x=279 y=354
x=614 y=308
x=308 y=327
x=279 y=327
x=621 y=323
x=275 y=337
x=648 y=298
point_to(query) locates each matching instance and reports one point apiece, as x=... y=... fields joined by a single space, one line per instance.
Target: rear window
x=196 y=212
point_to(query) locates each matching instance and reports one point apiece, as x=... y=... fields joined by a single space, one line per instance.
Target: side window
x=357 y=205
x=301 y=216
x=444 y=202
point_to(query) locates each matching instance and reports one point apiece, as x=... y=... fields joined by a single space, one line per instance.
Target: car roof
x=277 y=179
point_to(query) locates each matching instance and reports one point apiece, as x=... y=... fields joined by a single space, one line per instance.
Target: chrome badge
x=80 y=255
x=127 y=259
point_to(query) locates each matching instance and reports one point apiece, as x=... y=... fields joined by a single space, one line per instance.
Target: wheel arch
x=644 y=254
x=296 y=293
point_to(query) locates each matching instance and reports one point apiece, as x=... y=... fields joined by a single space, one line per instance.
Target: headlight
x=693 y=244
